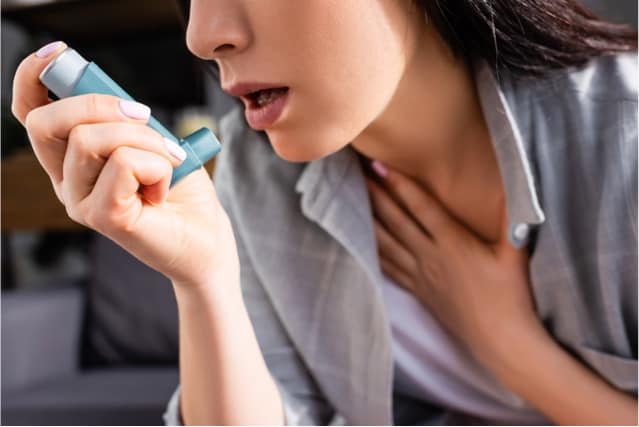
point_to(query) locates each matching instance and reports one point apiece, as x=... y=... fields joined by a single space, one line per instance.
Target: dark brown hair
x=526 y=37
x=523 y=37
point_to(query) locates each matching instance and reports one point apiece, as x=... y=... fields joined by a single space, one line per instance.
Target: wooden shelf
x=28 y=199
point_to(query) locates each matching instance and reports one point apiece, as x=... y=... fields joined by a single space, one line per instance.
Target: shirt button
x=519 y=233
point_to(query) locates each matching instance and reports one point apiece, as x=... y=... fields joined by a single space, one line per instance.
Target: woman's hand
x=479 y=292
x=112 y=174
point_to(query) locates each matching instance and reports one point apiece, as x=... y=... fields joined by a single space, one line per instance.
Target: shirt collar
x=514 y=164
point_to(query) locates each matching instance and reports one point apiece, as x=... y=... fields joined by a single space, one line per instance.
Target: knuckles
x=104 y=216
x=92 y=104
x=79 y=138
x=37 y=133
x=432 y=271
x=120 y=158
x=17 y=113
x=31 y=124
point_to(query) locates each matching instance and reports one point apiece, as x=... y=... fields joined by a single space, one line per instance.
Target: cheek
x=342 y=84
x=327 y=114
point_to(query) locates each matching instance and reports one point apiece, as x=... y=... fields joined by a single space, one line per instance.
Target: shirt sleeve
x=172 y=415
x=302 y=401
x=294 y=412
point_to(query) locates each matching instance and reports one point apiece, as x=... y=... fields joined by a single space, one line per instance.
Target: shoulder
x=581 y=105
x=579 y=126
x=579 y=129
x=581 y=118
x=609 y=78
x=606 y=78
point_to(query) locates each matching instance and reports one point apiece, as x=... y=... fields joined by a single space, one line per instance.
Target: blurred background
x=88 y=333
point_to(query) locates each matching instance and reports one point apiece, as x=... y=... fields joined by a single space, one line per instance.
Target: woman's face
x=341 y=61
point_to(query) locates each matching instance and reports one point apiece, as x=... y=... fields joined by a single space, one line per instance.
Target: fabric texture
x=567 y=151
x=433 y=365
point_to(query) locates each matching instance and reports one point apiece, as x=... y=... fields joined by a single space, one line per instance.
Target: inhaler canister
x=69 y=74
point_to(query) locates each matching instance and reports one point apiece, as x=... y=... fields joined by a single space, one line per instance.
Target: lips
x=265 y=116
x=249 y=91
x=264 y=102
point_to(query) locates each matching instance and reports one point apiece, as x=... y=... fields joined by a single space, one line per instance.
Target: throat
x=481 y=214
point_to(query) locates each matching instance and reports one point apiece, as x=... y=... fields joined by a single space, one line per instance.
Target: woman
x=485 y=274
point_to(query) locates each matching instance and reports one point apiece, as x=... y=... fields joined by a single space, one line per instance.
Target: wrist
x=218 y=285
x=520 y=351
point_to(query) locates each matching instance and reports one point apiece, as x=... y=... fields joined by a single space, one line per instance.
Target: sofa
x=96 y=351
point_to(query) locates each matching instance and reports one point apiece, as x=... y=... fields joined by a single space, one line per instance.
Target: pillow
x=131 y=310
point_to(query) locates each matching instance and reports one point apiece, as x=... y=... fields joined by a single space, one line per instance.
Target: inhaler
x=69 y=74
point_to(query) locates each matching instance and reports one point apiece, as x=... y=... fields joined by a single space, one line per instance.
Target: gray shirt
x=566 y=146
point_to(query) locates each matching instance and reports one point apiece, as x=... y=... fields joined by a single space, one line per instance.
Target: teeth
x=266 y=96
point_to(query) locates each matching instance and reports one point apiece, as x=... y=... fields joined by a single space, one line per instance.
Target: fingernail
x=379 y=168
x=135 y=110
x=48 y=49
x=175 y=150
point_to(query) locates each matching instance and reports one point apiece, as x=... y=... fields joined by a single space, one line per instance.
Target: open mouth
x=261 y=98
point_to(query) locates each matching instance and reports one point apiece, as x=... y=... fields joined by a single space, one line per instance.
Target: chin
x=301 y=148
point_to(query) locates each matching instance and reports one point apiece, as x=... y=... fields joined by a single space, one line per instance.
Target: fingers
x=28 y=91
x=89 y=147
x=396 y=275
x=423 y=206
x=49 y=126
x=400 y=224
x=115 y=204
x=390 y=249
x=55 y=121
x=128 y=168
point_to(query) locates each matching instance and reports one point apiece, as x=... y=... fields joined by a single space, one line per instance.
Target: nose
x=217 y=29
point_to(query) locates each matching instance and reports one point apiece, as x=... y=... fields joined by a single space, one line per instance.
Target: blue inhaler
x=69 y=74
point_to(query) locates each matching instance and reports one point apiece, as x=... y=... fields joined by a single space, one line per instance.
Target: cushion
x=112 y=396
x=131 y=310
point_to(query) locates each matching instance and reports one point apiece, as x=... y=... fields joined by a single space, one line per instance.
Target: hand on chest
x=477 y=290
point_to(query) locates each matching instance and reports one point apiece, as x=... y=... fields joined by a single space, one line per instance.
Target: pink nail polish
x=135 y=110
x=379 y=168
x=48 y=49
x=175 y=150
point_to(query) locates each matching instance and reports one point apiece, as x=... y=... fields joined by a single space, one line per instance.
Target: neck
x=433 y=130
